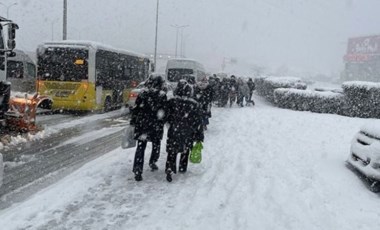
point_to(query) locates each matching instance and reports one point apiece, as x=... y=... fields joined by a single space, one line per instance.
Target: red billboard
x=363 y=48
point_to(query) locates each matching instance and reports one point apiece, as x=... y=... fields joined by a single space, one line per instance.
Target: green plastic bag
x=196 y=153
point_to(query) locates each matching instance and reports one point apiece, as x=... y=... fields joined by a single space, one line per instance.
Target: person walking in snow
x=233 y=90
x=148 y=117
x=184 y=116
x=224 y=91
x=251 y=86
x=243 y=92
x=216 y=89
x=203 y=94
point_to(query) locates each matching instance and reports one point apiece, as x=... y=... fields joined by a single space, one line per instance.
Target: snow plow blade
x=21 y=116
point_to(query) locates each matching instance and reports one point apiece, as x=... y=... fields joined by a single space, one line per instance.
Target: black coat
x=204 y=97
x=251 y=85
x=148 y=115
x=185 y=123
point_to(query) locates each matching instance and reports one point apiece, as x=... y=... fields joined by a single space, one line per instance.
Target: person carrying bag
x=148 y=119
x=184 y=116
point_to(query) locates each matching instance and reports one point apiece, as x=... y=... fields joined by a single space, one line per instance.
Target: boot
x=153 y=167
x=138 y=176
x=169 y=177
x=182 y=170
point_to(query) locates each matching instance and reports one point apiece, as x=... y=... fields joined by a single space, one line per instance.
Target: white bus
x=177 y=69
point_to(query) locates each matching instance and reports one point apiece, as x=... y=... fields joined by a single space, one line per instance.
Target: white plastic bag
x=127 y=139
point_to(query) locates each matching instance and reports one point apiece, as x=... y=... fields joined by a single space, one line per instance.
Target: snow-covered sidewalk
x=263 y=168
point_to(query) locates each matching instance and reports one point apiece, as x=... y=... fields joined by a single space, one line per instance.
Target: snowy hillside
x=263 y=168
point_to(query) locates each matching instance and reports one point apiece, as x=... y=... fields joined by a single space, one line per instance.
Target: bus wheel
x=107 y=104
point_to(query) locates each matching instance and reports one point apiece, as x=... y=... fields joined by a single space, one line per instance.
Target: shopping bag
x=196 y=153
x=127 y=139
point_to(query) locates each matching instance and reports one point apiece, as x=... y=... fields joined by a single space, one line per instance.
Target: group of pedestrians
x=187 y=115
x=232 y=90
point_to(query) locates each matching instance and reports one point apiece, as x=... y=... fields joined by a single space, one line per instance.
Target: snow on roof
x=361 y=84
x=182 y=59
x=184 y=63
x=372 y=128
x=284 y=81
x=95 y=45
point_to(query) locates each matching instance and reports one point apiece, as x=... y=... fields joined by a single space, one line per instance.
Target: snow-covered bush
x=307 y=100
x=362 y=99
x=265 y=87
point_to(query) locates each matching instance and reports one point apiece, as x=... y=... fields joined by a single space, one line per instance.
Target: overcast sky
x=302 y=35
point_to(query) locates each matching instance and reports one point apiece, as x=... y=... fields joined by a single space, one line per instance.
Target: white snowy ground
x=61 y=122
x=262 y=168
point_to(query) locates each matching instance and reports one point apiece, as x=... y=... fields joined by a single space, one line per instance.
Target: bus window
x=174 y=75
x=61 y=64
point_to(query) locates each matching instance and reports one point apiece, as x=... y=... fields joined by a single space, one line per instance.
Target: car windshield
x=190 y=114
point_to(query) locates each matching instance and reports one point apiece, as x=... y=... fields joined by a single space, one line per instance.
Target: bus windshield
x=15 y=69
x=63 y=64
x=174 y=75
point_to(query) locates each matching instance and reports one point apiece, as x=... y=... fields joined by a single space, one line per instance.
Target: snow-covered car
x=365 y=151
x=134 y=93
x=1 y=169
x=140 y=87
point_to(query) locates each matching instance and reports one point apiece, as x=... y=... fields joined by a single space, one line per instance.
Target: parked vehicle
x=176 y=69
x=136 y=91
x=365 y=152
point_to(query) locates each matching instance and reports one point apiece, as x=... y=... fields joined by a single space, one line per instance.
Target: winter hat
x=183 y=89
x=202 y=84
x=157 y=82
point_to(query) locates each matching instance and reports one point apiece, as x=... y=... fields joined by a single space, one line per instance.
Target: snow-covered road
x=263 y=168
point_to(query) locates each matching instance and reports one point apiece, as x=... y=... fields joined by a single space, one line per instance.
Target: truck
x=7 y=44
x=17 y=114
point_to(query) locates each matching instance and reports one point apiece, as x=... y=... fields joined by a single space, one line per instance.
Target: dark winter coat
x=148 y=115
x=251 y=85
x=234 y=87
x=204 y=96
x=185 y=123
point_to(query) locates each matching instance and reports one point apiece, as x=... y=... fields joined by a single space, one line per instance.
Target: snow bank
x=361 y=84
x=307 y=100
x=286 y=82
x=355 y=99
x=265 y=86
x=362 y=98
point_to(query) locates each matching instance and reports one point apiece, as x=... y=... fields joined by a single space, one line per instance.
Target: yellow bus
x=87 y=76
